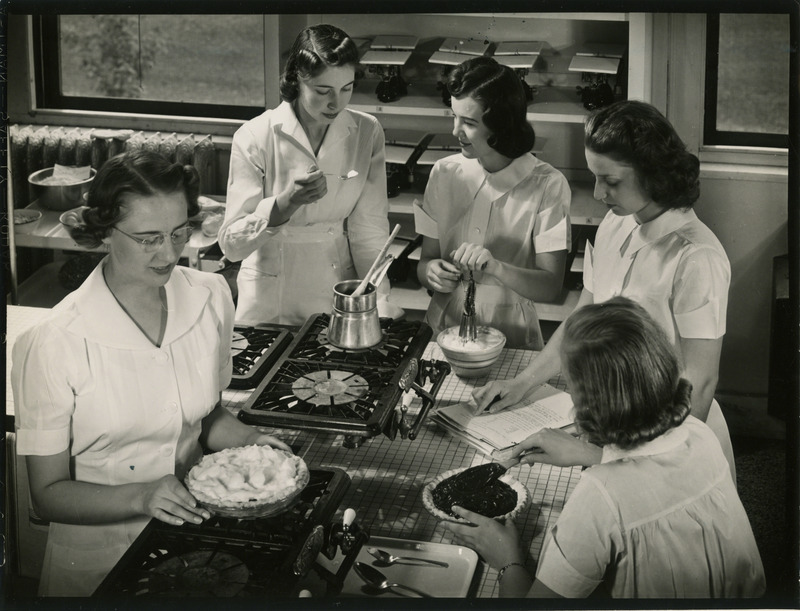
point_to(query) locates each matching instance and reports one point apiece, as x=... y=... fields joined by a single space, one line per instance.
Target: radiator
x=33 y=147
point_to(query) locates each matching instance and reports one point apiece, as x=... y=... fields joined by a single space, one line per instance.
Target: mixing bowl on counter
x=57 y=192
x=471 y=359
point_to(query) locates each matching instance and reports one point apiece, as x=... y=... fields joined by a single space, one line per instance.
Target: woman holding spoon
x=306 y=202
x=493 y=210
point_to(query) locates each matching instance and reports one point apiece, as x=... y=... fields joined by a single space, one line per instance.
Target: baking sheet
x=451 y=582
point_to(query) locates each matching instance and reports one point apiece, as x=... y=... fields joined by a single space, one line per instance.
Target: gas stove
x=358 y=393
x=230 y=557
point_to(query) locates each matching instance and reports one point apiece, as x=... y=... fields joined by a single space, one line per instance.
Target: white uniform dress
x=288 y=271
x=87 y=380
x=674 y=267
x=660 y=521
x=516 y=213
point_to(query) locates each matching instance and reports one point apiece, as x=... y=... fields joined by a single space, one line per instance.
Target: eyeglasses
x=152 y=243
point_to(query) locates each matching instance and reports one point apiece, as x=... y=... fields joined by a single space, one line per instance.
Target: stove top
x=254 y=350
x=230 y=557
x=316 y=385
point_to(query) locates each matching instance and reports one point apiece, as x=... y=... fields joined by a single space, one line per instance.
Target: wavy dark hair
x=315 y=49
x=500 y=92
x=623 y=373
x=637 y=134
x=135 y=173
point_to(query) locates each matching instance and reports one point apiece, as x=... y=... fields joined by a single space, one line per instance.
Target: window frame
x=711 y=135
x=48 y=91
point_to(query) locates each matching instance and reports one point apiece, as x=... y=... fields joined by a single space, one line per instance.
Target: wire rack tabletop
x=387 y=476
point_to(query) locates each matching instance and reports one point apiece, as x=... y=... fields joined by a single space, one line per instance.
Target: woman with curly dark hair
x=652 y=248
x=117 y=392
x=493 y=210
x=295 y=226
x=659 y=517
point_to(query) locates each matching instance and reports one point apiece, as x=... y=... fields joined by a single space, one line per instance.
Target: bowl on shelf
x=59 y=193
x=471 y=359
x=26 y=220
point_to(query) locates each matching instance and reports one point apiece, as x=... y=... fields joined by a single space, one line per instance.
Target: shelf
x=577 y=265
x=403 y=203
x=410 y=298
x=585 y=209
x=551 y=104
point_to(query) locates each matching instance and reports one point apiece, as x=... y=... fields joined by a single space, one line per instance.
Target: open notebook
x=497 y=434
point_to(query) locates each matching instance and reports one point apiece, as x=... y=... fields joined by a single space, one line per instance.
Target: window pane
x=753 y=85
x=173 y=58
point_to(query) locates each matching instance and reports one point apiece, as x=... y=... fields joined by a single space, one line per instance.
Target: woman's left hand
x=473 y=257
x=496 y=542
x=262 y=439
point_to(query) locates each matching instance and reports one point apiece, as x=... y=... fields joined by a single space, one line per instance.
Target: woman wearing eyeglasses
x=117 y=393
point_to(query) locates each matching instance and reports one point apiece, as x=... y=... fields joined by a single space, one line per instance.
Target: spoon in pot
x=377 y=580
x=348 y=176
x=385 y=558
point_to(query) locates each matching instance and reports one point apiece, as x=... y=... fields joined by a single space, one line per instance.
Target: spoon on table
x=385 y=558
x=377 y=580
x=348 y=176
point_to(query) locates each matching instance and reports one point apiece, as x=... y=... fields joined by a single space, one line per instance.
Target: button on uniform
x=161 y=357
x=166 y=451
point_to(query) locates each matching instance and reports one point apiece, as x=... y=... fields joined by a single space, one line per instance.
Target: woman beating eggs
x=652 y=248
x=118 y=391
x=494 y=210
x=297 y=227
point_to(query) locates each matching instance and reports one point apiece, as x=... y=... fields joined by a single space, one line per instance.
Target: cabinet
x=556 y=110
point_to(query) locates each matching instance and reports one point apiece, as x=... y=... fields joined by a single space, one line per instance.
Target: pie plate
x=523 y=497
x=254 y=508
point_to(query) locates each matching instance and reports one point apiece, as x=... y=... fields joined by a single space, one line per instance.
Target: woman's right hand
x=167 y=499
x=499 y=394
x=442 y=276
x=306 y=189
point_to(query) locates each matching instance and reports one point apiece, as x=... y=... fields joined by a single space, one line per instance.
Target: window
x=162 y=64
x=747 y=80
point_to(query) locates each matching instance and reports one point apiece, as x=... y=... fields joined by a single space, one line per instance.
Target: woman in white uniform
x=494 y=210
x=652 y=248
x=118 y=391
x=295 y=225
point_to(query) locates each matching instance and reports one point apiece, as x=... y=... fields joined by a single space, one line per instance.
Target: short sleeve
x=426 y=215
x=579 y=549
x=44 y=399
x=222 y=302
x=588 y=267
x=700 y=294
x=552 y=227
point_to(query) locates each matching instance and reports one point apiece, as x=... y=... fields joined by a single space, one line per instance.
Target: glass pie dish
x=522 y=494
x=248 y=482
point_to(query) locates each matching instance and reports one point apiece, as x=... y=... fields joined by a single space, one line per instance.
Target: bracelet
x=509 y=565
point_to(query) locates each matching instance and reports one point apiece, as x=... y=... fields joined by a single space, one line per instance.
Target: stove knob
x=349 y=517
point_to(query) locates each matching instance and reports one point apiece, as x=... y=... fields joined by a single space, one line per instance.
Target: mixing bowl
x=61 y=196
x=470 y=359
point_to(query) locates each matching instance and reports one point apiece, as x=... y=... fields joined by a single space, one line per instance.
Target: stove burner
x=330 y=387
x=200 y=573
x=254 y=351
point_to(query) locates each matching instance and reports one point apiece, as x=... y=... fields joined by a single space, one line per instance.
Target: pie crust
x=523 y=497
x=249 y=481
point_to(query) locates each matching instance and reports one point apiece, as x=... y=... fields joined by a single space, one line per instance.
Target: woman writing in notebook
x=659 y=516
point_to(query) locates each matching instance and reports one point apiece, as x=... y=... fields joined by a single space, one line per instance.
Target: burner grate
x=255 y=350
x=226 y=557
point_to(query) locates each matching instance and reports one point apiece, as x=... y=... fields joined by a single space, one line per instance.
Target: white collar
x=104 y=322
x=285 y=122
x=501 y=182
x=668 y=222
x=666 y=442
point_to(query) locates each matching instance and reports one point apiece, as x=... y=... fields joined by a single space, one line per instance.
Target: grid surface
x=388 y=475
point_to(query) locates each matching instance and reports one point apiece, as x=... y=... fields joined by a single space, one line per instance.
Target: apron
x=291 y=277
x=495 y=306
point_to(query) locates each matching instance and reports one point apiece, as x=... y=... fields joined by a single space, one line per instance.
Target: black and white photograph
x=350 y=304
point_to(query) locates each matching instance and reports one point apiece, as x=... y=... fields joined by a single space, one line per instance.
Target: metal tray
x=451 y=582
